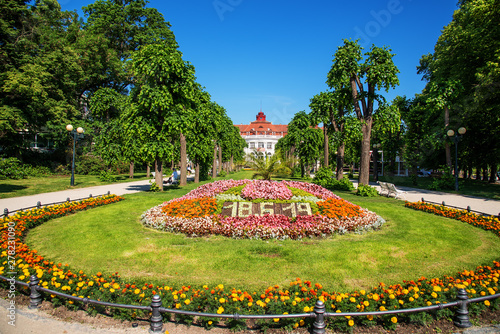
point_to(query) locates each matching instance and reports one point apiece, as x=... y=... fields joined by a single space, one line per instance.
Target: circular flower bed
x=257 y=209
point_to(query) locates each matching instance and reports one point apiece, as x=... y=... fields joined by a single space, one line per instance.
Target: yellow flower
x=222 y=300
x=394 y=320
x=352 y=300
x=220 y=310
x=487 y=302
x=434 y=295
x=187 y=301
x=250 y=304
x=362 y=292
x=391 y=296
x=91 y=283
x=411 y=299
x=116 y=286
x=437 y=288
x=351 y=322
x=105 y=285
x=382 y=308
x=366 y=303
x=276 y=319
x=306 y=309
x=369 y=317
x=177 y=305
x=111 y=290
x=136 y=291
x=210 y=322
x=301 y=323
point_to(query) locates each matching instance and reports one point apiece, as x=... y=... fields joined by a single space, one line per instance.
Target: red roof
x=260 y=127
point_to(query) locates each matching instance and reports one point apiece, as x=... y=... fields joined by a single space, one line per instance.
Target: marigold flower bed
x=298 y=297
x=490 y=223
x=194 y=213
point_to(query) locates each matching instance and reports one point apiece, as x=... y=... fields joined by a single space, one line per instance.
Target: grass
x=466 y=187
x=410 y=245
x=39 y=185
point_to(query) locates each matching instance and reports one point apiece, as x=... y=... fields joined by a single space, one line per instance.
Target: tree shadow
x=9 y=188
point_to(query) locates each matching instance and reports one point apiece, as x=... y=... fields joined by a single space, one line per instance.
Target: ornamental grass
x=297 y=297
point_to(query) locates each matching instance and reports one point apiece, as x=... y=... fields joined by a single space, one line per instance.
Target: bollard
x=67 y=199
x=443 y=204
x=319 y=324
x=90 y=196
x=462 y=314
x=35 y=296
x=109 y=192
x=422 y=200
x=156 y=318
x=38 y=204
x=468 y=208
x=5 y=212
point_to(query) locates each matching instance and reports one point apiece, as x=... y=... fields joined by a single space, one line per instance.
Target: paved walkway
x=38 y=322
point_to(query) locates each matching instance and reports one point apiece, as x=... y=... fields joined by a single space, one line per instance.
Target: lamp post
x=375 y=160
x=76 y=134
x=456 y=139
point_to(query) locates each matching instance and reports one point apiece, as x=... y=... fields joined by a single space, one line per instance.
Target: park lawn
x=39 y=185
x=412 y=244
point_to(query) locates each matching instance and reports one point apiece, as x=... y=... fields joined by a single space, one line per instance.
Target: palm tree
x=265 y=166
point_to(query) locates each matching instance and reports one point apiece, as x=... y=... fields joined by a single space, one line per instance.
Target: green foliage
x=89 y=164
x=222 y=173
x=334 y=184
x=154 y=187
x=323 y=176
x=445 y=182
x=10 y=168
x=106 y=176
x=366 y=191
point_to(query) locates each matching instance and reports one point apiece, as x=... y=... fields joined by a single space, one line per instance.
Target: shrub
x=106 y=176
x=334 y=184
x=154 y=187
x=89 y=164
x=222 y=173
x=366 y=191
x=36 y=171
x=323 y=176
x=445 y=182
x=11 y=168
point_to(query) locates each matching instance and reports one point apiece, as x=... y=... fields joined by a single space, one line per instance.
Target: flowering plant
x=298 y=297
x=196 y=214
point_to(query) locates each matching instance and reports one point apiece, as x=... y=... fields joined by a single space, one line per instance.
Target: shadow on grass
x=8 y=188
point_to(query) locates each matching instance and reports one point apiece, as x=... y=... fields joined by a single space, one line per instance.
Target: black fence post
x=68 y=200
x=35 y=296
x=156 y=318
x=5 y=212
x=462 y=314
x=443 y=204
x=90 y=196
x=319 y=324
x=38 y=205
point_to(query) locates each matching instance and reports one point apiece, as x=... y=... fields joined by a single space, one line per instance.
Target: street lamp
x=456 y=139
x=77 y=134
x=375 y=160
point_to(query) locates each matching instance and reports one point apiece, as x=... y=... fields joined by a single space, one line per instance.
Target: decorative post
x=38 y=204
x=156 y=318
x=76 y=134
x=462 y=314
x=319 y=324
x=35 y=296
x=5 y=212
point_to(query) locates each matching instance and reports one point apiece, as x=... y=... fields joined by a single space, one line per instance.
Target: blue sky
x=276 y=54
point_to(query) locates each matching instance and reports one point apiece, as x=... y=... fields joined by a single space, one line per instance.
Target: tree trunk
x=485 y=173
x=131 y=170
x=214 y=163
x=220 y=159
x=446 y=144
x=197 y=173
x=148 y=171
x=159 y=173
x=340 y=161
x=493 y=174
x=183 y=180
x=231 y=164
x=326 y=153
x=364 y=168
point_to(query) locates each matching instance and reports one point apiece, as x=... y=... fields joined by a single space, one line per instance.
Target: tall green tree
x=376 y=72
x=163 y=83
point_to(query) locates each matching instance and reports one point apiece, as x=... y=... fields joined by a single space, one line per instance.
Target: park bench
x=390 y=188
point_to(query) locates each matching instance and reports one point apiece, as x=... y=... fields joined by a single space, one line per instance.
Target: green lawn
x=412 y=244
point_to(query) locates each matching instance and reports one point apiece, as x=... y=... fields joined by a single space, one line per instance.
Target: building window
x=261 y=145
x=270 y=145
x=252 y=145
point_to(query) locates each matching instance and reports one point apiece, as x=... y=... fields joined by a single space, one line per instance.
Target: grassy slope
x=410 y=245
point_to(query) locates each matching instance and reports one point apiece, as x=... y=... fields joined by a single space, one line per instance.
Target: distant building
x=262 y=135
